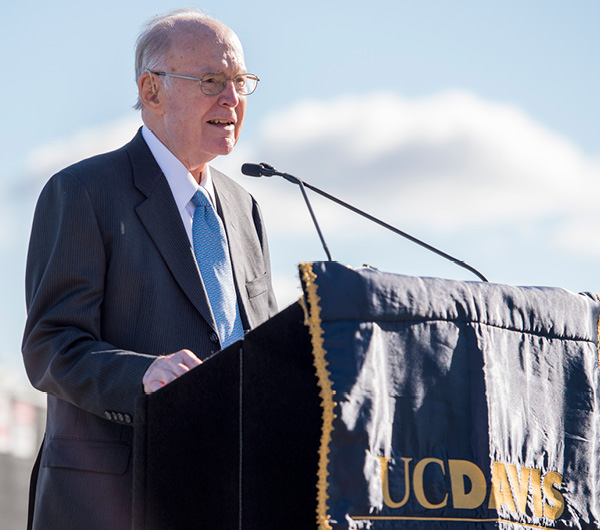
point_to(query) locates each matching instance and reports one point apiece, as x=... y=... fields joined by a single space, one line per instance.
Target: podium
x=384 y=402
x=233 y=443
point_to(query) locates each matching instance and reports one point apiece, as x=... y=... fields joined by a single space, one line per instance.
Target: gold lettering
x=385 y=483
x=553 y=509
x=536 y=492
x=418 y=483
x=460 y=499
x=510 y=487
x=500 y=493
x=519 y=487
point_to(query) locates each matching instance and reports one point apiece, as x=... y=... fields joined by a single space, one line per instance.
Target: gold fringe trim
x=313 y=320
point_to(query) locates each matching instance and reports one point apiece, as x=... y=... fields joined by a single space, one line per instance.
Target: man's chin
x=227 y=147
x=220 y=147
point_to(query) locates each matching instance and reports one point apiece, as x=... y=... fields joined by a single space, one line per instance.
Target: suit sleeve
x=63 y=350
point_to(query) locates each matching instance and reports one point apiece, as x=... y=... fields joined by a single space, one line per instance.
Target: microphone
x=265 y=170
x=253 y=170
x=262 y=169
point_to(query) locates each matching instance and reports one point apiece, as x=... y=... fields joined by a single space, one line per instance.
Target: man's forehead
x=203 y=32
x=210 y=42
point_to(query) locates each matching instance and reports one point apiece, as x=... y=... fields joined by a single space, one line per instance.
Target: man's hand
x=167 y=368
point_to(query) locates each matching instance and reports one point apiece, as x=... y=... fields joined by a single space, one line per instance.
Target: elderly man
x=142 y=263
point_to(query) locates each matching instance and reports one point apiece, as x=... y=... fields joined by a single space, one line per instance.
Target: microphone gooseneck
x=265 y=170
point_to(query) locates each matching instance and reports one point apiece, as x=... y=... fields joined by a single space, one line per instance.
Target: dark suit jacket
x=111 y=283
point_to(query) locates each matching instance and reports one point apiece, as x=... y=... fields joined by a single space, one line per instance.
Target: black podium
x=234 y=442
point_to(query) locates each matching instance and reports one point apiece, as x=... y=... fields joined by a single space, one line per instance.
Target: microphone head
x=252 y=170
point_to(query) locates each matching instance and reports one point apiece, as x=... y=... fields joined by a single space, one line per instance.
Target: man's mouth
x=222 y=122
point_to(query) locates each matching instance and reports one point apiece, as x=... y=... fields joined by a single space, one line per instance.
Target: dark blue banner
x=452 y=404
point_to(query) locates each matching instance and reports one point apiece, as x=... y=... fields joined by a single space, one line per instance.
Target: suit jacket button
x=127 y=418
x=214 y=337
x=120 y=416
x=108 y=415
x=114 y=416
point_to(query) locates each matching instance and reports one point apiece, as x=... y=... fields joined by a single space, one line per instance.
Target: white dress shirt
x=182 y=183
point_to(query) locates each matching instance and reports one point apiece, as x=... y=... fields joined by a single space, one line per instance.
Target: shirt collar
x=182 y=183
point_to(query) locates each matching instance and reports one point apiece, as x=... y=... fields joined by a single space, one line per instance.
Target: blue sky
x=473 y=125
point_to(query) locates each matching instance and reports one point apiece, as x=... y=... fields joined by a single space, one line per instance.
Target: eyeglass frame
x=200 y=79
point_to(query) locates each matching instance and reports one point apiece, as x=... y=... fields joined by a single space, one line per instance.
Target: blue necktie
x=212 y=255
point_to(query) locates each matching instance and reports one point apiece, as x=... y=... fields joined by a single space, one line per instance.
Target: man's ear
x=151 y=93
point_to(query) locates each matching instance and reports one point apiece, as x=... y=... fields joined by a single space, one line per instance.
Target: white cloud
x=47 y=159
x=580 y=234
x=443 y=161
x=440 y=161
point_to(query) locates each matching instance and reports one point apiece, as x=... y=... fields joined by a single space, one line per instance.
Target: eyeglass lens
x=213 y=84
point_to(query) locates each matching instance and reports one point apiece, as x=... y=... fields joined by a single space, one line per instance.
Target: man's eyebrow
x=220 y=72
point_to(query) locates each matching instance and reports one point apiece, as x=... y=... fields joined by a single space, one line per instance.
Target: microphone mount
x=266 y=170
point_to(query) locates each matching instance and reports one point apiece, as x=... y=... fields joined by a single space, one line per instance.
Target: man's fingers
x=186 y=358
x=152 y=386
x=168 y=368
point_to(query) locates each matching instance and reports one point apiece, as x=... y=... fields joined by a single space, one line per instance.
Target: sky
x=472 y=125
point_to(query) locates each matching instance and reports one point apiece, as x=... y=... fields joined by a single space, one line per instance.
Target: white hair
x=154 y=40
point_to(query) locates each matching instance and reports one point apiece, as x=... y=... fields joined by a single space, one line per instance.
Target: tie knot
x=200 y=199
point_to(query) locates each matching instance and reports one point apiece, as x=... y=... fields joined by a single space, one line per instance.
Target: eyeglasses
x=214 y=84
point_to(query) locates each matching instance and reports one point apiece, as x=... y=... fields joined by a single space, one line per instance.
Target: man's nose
x=229 y=96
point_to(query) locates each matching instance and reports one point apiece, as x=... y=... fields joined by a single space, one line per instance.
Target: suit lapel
x=159 y=215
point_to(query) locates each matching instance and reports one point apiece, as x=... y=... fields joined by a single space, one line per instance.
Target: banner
x=450 y=404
